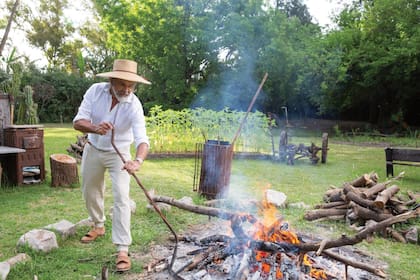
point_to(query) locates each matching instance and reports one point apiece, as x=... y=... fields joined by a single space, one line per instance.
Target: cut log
x=369 y=193
x=367 y=214
x=351 y=196
x=374 y=177
x=333 y=195
x=346 y=240
x=336 y=205
x=63 y=170
x=385 y=195
x=396 y=235
x=311 y=215
x=362 y=181
x=350 y=188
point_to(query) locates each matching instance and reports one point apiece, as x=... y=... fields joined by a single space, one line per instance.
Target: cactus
x=27 y=112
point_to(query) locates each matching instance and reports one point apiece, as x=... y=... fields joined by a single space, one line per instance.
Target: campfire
x=260 y=246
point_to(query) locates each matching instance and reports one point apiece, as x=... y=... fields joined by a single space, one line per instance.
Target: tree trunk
x=63 y=170
x=8 y=27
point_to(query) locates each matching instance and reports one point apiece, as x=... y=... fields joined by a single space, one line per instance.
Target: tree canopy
x=213 y=54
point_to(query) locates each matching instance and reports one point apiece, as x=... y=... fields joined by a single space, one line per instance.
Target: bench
x=401 y=156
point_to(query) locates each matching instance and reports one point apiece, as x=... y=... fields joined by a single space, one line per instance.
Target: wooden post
x=63 y=170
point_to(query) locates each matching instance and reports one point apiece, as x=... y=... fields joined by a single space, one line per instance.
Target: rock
x=85 y=222
x=4 y=270
x=64 y=228
x=133 y=206
x=186 y=200
x=412 y=235
x=276 y=198
x=39 y=240
x=19 y=258
x=162 y=207
x=299 y=205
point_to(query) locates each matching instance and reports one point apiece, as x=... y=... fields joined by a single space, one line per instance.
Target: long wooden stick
x=250 y=107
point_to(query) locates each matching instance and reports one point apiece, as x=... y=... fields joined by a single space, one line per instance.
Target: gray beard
x=120 y=99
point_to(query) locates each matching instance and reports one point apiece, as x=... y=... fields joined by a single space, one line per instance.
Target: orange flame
x=273 y=229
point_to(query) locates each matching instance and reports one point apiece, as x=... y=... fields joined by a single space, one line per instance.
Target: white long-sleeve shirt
x=127 y=117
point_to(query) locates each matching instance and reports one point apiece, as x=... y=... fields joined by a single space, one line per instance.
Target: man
x=105 y=107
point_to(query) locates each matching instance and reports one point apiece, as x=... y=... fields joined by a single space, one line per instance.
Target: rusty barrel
x=216 y=163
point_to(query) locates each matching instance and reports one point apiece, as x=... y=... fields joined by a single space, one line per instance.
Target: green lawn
x=27 y=207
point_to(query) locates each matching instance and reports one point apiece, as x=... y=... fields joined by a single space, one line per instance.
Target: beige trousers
x=93 y=167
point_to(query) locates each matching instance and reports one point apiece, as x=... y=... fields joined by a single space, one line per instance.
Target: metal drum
x=216 y=162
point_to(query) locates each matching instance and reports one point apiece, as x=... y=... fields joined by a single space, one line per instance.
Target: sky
x=320 y=10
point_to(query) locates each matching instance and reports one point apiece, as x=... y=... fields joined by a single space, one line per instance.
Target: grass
x=24 y=208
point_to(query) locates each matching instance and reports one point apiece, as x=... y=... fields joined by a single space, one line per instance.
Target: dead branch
x=377 y=271
x=205 y=210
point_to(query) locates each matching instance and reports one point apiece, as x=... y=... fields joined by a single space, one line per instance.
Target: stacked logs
x=76 y=149
x=364 y=202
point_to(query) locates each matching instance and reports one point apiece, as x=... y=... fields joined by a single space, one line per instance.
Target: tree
x=163 y=36
x=9 y=25
x=379 y=66
x=51 y=32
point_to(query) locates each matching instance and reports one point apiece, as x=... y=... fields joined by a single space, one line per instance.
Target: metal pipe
x=149 y=198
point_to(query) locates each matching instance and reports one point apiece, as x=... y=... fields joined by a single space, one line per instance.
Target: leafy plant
x=180 y=131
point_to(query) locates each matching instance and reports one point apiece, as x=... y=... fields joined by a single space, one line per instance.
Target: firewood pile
x=365 y=202
x=76 y=149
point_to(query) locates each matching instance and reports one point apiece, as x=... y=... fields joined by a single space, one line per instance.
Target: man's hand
x=132 y=166
x=103 y=128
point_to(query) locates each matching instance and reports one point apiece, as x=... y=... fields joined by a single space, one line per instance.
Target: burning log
x=266 y=247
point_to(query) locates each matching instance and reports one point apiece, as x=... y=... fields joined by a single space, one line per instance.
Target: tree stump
x=63 y=170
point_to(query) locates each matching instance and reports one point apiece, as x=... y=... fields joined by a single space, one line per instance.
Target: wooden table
x=5 y=150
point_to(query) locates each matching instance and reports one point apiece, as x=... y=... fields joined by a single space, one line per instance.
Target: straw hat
x=125 y=69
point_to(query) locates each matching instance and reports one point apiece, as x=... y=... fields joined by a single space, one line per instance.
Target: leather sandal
x=123 y=262
x=92 y=235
